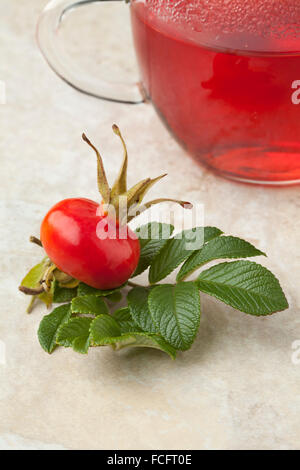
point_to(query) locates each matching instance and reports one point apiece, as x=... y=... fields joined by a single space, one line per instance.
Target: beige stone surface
x=237 y=388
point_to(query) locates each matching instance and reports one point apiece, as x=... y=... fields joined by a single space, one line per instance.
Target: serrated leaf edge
x=100 y=293
x=68 y=314
x=70 y=344
x=152 y=282
x=199 y=319
x=89 y=312
x=133 y=317
x=172 y=228
x=112 y=341
x=239 y=310
x=180 y=279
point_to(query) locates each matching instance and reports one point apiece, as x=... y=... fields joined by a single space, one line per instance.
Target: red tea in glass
x=225 y=77
x=223 y=74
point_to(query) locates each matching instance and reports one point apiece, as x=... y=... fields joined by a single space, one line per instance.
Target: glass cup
x=224 y=75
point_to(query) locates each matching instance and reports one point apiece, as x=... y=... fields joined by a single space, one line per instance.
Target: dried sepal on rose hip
x=89 y=241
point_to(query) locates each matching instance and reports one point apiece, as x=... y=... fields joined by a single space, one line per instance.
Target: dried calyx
x=126 y=203
x=48 y=273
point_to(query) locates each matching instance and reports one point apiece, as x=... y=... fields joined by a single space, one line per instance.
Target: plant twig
x=29 y=291
x=35 y=240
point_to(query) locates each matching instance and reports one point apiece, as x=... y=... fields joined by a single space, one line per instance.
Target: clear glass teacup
x=224 y=75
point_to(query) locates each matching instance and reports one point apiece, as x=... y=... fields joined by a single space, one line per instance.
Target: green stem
x=30 y=305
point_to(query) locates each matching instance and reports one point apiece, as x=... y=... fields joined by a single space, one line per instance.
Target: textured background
x=237 y=387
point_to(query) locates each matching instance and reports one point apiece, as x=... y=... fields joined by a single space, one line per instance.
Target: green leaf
x=145 y=340
x=84 y=289
x=245 y=285
x=89 y=304
x=175 y=310
x=153 y=237
x=178 y=249
x=49 y=326
x=105 y=330
x=125 y=320
x=122 y=314
x=33 y=277
x=138 y=304
x=75 y=334
x=63 y=294
x=114 y=297
x=218 y=248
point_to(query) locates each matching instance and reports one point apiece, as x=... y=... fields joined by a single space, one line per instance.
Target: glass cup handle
x=48 y=25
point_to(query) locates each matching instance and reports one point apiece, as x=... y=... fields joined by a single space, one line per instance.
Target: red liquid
x=226 y=94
